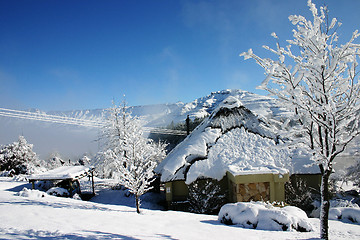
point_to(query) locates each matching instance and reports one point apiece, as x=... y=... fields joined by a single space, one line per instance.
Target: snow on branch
x=322 y=88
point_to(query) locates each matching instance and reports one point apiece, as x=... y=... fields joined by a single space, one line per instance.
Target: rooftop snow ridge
x=209 y=103
x=230 y=102
x=228 y=92
x=231 y=114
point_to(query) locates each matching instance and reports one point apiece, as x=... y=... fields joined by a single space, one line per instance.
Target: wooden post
x=92 y=182
x=33 y=184
x=187 y=125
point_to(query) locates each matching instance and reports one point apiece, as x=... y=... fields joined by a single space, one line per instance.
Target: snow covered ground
x=113 y=216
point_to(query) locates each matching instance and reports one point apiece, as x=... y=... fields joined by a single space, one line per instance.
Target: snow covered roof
x=231 y=139
x=62 y=173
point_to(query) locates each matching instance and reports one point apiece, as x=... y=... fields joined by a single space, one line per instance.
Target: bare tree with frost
x=321 y=87
x=129 y=156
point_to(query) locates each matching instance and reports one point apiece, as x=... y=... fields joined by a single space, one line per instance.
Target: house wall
x=176 y=191
x=257 y=187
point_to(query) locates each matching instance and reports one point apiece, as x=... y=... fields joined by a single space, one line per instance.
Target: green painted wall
x=178 y=190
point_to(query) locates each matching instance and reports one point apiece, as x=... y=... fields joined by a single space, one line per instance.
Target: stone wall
x=253 y=191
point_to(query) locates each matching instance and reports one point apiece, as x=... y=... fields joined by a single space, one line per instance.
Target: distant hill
x=161 y=115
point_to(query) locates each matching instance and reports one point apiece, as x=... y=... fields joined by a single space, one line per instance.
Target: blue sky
x=63 y=55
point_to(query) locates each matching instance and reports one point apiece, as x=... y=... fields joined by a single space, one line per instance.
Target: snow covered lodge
x=234 y=148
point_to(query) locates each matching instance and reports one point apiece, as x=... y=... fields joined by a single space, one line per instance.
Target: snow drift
x=260 y=215
x=346 y=214
x=31 y=193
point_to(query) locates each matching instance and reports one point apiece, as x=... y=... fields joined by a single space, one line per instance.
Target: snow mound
x=346 y=214
x=58 y=191
x=20 y=178
x=31 y=193
x=16 y=178
x=334 y=204
x=264 y=216
x=6 y=173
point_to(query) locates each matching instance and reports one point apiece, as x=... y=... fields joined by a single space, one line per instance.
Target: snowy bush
x=205 y=197
x=260 y=215
x=19 y=157
x=7 y=173
x=20 y=178
x=58 y=191
x=55 y=161
x=76 y=196
x=299 y=194
x=84 y=161
x=346 y=214
x=336 y=203
x=31 y=193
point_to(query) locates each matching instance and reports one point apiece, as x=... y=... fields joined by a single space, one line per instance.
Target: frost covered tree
x=129 y=156
x=85 y=160
x=55 y=161
x=298 y=193
x=316 y=77
x=19 y=157
x=353 y=173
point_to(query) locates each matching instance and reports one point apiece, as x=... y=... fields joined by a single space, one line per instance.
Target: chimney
x=187 y=125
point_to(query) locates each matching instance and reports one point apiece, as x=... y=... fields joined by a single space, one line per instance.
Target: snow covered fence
x=264 y=216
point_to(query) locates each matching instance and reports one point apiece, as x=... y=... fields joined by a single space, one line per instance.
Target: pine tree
x=85 y=160
x=55 y=161
x=321 y=88
x=130 y=157
x=19 y=157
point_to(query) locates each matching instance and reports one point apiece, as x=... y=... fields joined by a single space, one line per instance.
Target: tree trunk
x=325 y=205
x=137 y=203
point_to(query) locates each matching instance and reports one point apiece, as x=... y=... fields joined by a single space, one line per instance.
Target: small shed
x=66 y=177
